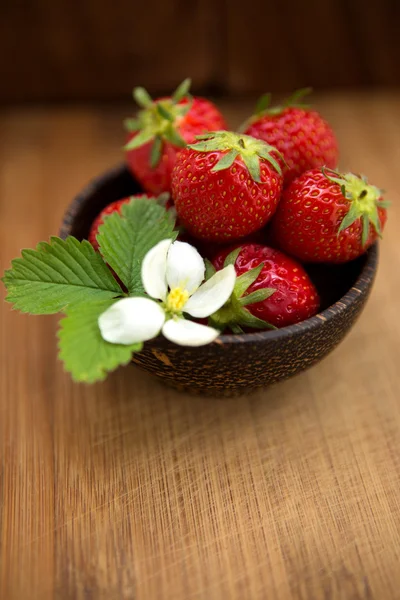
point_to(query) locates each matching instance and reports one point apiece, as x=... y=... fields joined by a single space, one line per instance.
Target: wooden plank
x=130 y=490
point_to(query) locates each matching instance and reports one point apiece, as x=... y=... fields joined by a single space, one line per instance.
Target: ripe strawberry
x=210 y=249
x=272 y=287
x=162 y=128
x=328 y=217
x=226 y=186
x=163 y=199
x=108 y=210
x=302 y=136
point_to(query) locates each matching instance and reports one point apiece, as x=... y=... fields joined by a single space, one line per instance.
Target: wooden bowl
x=237 y=364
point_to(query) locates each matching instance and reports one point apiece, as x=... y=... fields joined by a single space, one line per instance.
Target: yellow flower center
x=177 y=299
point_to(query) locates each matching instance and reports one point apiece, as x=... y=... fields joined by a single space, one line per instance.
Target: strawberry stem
x=142 y=97
x=182 y=90
x=236 y=145
x=364 y=202
x=158 y=120
x=234 y=314
x=264 y=108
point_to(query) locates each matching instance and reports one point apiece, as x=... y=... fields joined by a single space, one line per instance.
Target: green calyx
x=263 y=106
x=236 y=145
x=234 y=313
x=364 y=202
x=158 y=120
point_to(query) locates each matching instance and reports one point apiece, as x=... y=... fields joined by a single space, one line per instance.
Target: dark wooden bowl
x=237 y=364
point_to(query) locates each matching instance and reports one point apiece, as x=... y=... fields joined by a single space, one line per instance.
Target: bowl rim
x=361 y=286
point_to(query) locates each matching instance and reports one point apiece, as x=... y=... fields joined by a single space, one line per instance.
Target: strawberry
x=99 y=220
x=163 y=199
x=271 y=289
x=328 y=217
x=162 y=128
x=226 y=186
x=210 y=249
x=302 y=136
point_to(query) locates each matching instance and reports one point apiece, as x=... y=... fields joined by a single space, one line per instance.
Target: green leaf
x=384 y=204
x=246 y=319
x=244 y=281
x=142 y=97
x=365 y=230
x=182 y=90
x=336 y=178
x=207 y=145
x=173 y=136
x=58 y=274
x=233 y=315
x=226 y=161
x=348 y=220
x=232 y=256
x=132 y=124
x=205 y=136
x=86 y=355
x=210 y=269
x=183 y=109
x=140 y=139
x=232 y=145
x=374 y=219
x=155 y=154
x=163 y=198
x=252 y=163
x=236 y=328
x=263 y=103
x=257 y=296
x=125 y=239
x=296 y=98
x=163 y=112
x=266 y=155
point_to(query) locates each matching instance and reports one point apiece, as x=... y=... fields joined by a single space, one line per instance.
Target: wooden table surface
x=127 y=490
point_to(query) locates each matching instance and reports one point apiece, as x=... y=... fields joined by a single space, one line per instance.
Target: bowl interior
x=331 y=281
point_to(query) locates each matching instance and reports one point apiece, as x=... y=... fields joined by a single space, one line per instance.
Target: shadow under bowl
x=238 y=364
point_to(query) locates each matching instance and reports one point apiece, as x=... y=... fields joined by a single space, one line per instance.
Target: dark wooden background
x=98 y=50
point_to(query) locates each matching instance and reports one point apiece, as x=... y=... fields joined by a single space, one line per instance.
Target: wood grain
x=84 y=50
x=329 y=44
x=128 y=490
x=88 y=50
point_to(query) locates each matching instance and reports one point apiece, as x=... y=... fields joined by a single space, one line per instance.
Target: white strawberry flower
x=172 y=274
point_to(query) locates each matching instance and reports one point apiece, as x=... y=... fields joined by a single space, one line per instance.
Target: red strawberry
x=210 y=249
x=226 y=186
x=302 y=136
x=162 y=128
x=328 y=217
x=271 y=286
x=163 y=199
x=108 y=210
x=116 y=206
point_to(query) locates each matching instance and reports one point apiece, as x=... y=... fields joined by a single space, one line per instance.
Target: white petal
x=154 y=269
x=185 y=267
x=131 y=320
x=187 y=333
x=212 y=294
